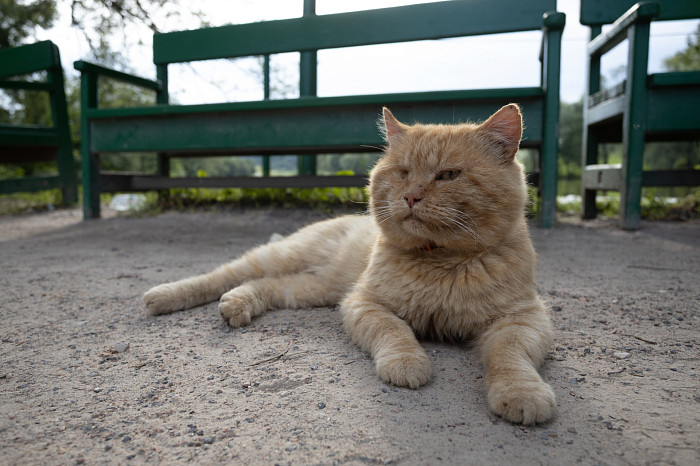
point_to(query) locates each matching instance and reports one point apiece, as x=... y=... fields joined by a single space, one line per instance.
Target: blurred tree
x=688 y=59
x=20 y=19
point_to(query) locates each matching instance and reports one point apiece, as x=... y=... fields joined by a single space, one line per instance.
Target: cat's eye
x=448 y=175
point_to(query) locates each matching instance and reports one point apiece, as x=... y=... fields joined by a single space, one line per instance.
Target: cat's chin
x=416 y=226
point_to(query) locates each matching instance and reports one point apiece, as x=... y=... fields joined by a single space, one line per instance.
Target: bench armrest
x=639 y=13
x=97 y=70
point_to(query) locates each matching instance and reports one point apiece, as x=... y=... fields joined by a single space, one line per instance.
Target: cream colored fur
x=446 y=254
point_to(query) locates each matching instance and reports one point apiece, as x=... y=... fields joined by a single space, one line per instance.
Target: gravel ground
x=87 y=377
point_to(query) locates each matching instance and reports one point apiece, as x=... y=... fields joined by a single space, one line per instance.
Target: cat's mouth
x=414 y=218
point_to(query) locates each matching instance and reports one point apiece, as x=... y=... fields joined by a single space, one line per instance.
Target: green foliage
x=356 y=163
x=263 y=197
x=19 y=19
x=213 y=166
x=688 y=59
x=22 y=203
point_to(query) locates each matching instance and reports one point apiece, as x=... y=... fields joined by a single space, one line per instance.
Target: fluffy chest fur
x=446 y=294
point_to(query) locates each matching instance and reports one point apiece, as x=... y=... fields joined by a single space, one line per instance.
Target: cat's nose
x=411 y=199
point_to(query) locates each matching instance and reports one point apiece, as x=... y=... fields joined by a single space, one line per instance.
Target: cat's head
x=456 y=186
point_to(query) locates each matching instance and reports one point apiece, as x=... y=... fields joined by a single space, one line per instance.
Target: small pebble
x=121 y=347
x=321 y=405
x=621 y=355
x=208 y=440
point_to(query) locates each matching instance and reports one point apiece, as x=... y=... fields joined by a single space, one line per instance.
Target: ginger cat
x=445 y=254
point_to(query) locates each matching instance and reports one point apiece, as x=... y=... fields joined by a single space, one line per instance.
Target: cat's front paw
x=404 y=368
x=527 y=402
x=235 y=310
x=162 y=299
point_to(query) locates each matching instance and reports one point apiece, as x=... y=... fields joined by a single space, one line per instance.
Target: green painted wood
x=496 y=95
x=590 y=140
x=98 y=70
x=312 y=125
x=21 y=144
x=18 y=61
x=162 y=94
x=26 y=85
x=554 y=25
x=634 y=125
x=671 y=178
x=677 y=78
x=308 y=84
x=599 y=12
x=28 y=136
x=399 y=24
x=114 y=182
x=673 y=110
x=658 y=107
x=90 y=162
x=292 y=130
x=30 y=184
x=59 y=113
x=642 y=12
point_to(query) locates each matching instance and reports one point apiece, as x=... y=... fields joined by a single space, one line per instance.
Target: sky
x=504 y=60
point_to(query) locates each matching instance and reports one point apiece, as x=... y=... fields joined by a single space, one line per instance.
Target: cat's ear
x=505 y=128
x=391 y=127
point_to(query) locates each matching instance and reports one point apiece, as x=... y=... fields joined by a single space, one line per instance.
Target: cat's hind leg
x=189 y=292
x=268 y=259
x=310 y=247
x=300 y=290
x=512 y=349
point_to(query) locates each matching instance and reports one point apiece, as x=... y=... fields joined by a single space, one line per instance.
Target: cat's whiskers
x=382 y=213
x=467 y=224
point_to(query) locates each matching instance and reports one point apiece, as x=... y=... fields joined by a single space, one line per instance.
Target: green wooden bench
x=310 y=124
x=645 y=107
x=25 y=144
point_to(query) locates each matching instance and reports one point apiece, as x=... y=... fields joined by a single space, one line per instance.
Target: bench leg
x=589 y=157
x=634 y=126
x=631 y=189
x=91 y=191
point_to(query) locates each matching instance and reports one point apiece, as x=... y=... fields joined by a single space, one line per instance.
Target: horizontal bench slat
x=115 y=182
x=26 y=85
x=289 y=130
x=386 y=25
x=679 y=78
x=39 y=183
x=517 y=94
x=28 y=135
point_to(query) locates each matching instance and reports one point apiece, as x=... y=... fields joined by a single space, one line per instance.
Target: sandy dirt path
x=87 y=377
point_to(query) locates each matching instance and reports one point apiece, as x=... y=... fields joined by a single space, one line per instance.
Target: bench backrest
x=34 y=143
x=600 y=12
x=18 y=61
x=387 y=25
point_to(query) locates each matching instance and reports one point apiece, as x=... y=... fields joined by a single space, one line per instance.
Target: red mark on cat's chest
x=429 y=246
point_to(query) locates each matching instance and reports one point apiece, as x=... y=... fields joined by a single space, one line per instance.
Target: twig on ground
x=274 y=358
x=615 y=332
